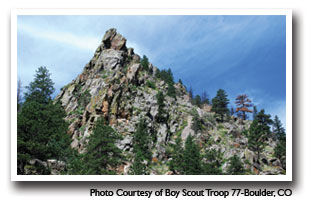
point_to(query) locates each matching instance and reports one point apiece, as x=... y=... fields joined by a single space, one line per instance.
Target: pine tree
x=190 y=93
x=180 y=81
x=192 y=157
x=167 y=76
x=280 y=151
x=278 y=129
x=259 y=132
x=161 y=116
x=280 y=135
x=197 y=100
x=197 y=124
x=204 y=98
x=142 y=154
x=213 y=163
x=243 y=103
x=176 y=165
x=219 y=104
x=170 y=81
x=41 y=88
x=19 y=96
x=41 y=129
x=102 y=156
x=254 y=111
x=76 y=163
x=235 y=166
x=145 y=63
x=139 y=165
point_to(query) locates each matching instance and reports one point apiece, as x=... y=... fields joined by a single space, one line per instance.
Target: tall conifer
x=41 y=129
x=220 y=103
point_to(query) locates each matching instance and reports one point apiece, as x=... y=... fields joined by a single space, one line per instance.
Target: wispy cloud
x=83 y=42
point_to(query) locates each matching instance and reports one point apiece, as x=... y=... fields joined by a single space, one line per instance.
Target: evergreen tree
x=192 y=157
x=142 y=154
x=161 y=116
x=278 y=129
x=235 y=166
x=158 y=73
x=19 y=96
x=197 y=100
x=243 y=103
x=190 y=93
x=171 y=90
x=254 y=111
x=145 y=63
x=204 y=98
x=139 y=166
x=213 y=163
x=170 y=81
x=176 y=165
x=259 y=132
x=41 y=129
x=219 y=104
x=167 y=76
x=41 y=88
x=197 y=122
x=102 y=156
x=76 y=163
x=280 y=135
x=280 y=151
x=180 y=81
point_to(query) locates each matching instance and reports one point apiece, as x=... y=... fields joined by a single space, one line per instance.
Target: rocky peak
x=116 y=86
x=114 y=40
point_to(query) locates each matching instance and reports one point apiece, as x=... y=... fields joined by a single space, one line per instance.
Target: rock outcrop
x=114 y=85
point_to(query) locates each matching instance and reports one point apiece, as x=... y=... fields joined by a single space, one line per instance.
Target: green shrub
x=150 y=84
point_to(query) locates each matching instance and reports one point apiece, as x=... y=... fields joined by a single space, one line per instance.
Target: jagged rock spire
x=114 y=40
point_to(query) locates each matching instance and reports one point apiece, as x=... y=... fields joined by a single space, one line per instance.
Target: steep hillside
x=122 y=88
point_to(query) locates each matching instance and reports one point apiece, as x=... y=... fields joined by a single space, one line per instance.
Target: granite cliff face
x=115 y=85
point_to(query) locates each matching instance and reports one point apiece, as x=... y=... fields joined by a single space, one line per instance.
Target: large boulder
x=132 y=71
x=114 y=40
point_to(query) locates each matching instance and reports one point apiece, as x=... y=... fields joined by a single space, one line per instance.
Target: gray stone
x=56 y=166
x=118 y=42
x=67 y=95
x=162 y=133
x=133 y=71
x=35 y=161
x=126 y=142
x=96 y=85
x=113 y=40
x=188 y=129
x=110 y=59
x=275 y=162
x=250 y=156
x=109 y=34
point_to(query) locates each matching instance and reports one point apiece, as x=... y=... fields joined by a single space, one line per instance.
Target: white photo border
x=289 y=98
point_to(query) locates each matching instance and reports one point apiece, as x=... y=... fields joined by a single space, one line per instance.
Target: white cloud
x=88 y=43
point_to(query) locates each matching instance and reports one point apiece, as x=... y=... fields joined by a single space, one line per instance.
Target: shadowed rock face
x=114 y=85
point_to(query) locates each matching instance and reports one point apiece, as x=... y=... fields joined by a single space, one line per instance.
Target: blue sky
x=240 y=54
